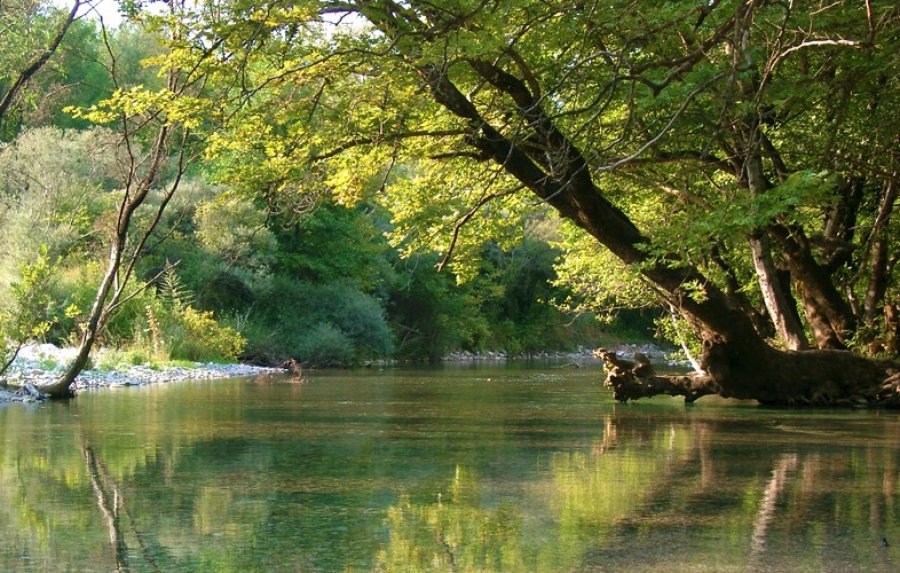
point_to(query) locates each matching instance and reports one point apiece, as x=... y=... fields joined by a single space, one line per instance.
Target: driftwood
x=632 y=380
x=296 y=369
x=30 y=390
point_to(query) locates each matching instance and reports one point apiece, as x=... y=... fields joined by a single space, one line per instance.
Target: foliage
x=27 y=315
x=308 y=321
x=432 y=314
x=333 y=243
x=78 y=76
x=54 y=186
x=324 y=344
x=32 y=32
x=170 y=290
x=195 y=335
x=332 y=184
x=234 y=230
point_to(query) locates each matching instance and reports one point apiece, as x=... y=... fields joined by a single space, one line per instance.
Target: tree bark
x=829 y=315
x=878 y=281
x=822 y=378
x=775 y=295
x=62 y=386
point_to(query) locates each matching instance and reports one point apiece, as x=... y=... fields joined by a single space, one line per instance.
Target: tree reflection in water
x=658 y=500
x=226 y=478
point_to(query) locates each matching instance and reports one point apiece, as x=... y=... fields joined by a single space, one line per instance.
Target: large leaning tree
x=740 y=157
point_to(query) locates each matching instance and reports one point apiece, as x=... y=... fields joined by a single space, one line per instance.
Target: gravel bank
x=39 y=364
x=657 y=355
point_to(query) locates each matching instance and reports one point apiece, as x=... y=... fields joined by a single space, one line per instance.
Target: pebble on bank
x=39 y=364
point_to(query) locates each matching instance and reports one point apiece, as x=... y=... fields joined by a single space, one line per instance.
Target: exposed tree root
x=633 y=380
x=816 y=378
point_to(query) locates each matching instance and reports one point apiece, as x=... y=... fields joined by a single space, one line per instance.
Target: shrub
x=326 y=345
x=26 y=318
x=289 y=315
x=195 y=335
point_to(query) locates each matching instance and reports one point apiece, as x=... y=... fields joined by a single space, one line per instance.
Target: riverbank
x=656 y=354
x=38 y=364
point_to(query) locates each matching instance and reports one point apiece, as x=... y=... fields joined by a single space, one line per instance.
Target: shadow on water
x=463 y=469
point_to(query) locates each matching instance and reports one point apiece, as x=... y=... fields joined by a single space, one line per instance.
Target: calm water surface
x=444 y=470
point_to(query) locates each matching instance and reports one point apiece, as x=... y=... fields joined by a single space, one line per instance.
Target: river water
x=465 y=469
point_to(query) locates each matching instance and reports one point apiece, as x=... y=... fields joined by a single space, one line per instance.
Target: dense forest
x=342 y=180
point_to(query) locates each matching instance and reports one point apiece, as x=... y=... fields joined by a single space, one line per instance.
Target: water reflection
x=440 y=472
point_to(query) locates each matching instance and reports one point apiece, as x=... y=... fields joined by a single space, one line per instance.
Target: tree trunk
x=829 y=315
x=775 y=294
x=749 y=171
x=104 y=304
x=878 y=281
x=737 y=361
x=770 y=376
x=62 y=386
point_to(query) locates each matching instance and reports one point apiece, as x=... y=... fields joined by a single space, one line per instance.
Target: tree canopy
x=739 y=157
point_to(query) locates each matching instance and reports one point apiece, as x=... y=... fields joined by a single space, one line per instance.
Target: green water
x=441 y=470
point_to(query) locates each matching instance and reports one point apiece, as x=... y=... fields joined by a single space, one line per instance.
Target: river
x=502 y=468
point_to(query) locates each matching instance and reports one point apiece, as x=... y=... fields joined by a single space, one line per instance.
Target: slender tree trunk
x=774 y=293
x=104 y=304
x=61 y=387
x=879 y=254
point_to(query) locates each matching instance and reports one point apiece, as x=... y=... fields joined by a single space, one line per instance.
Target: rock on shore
x=39 y=364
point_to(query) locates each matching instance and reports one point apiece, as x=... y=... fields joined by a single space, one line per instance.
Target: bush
x=75 y=291
x=26 y=316
x=289 y=315
x=195 y=335
x=326 y=345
